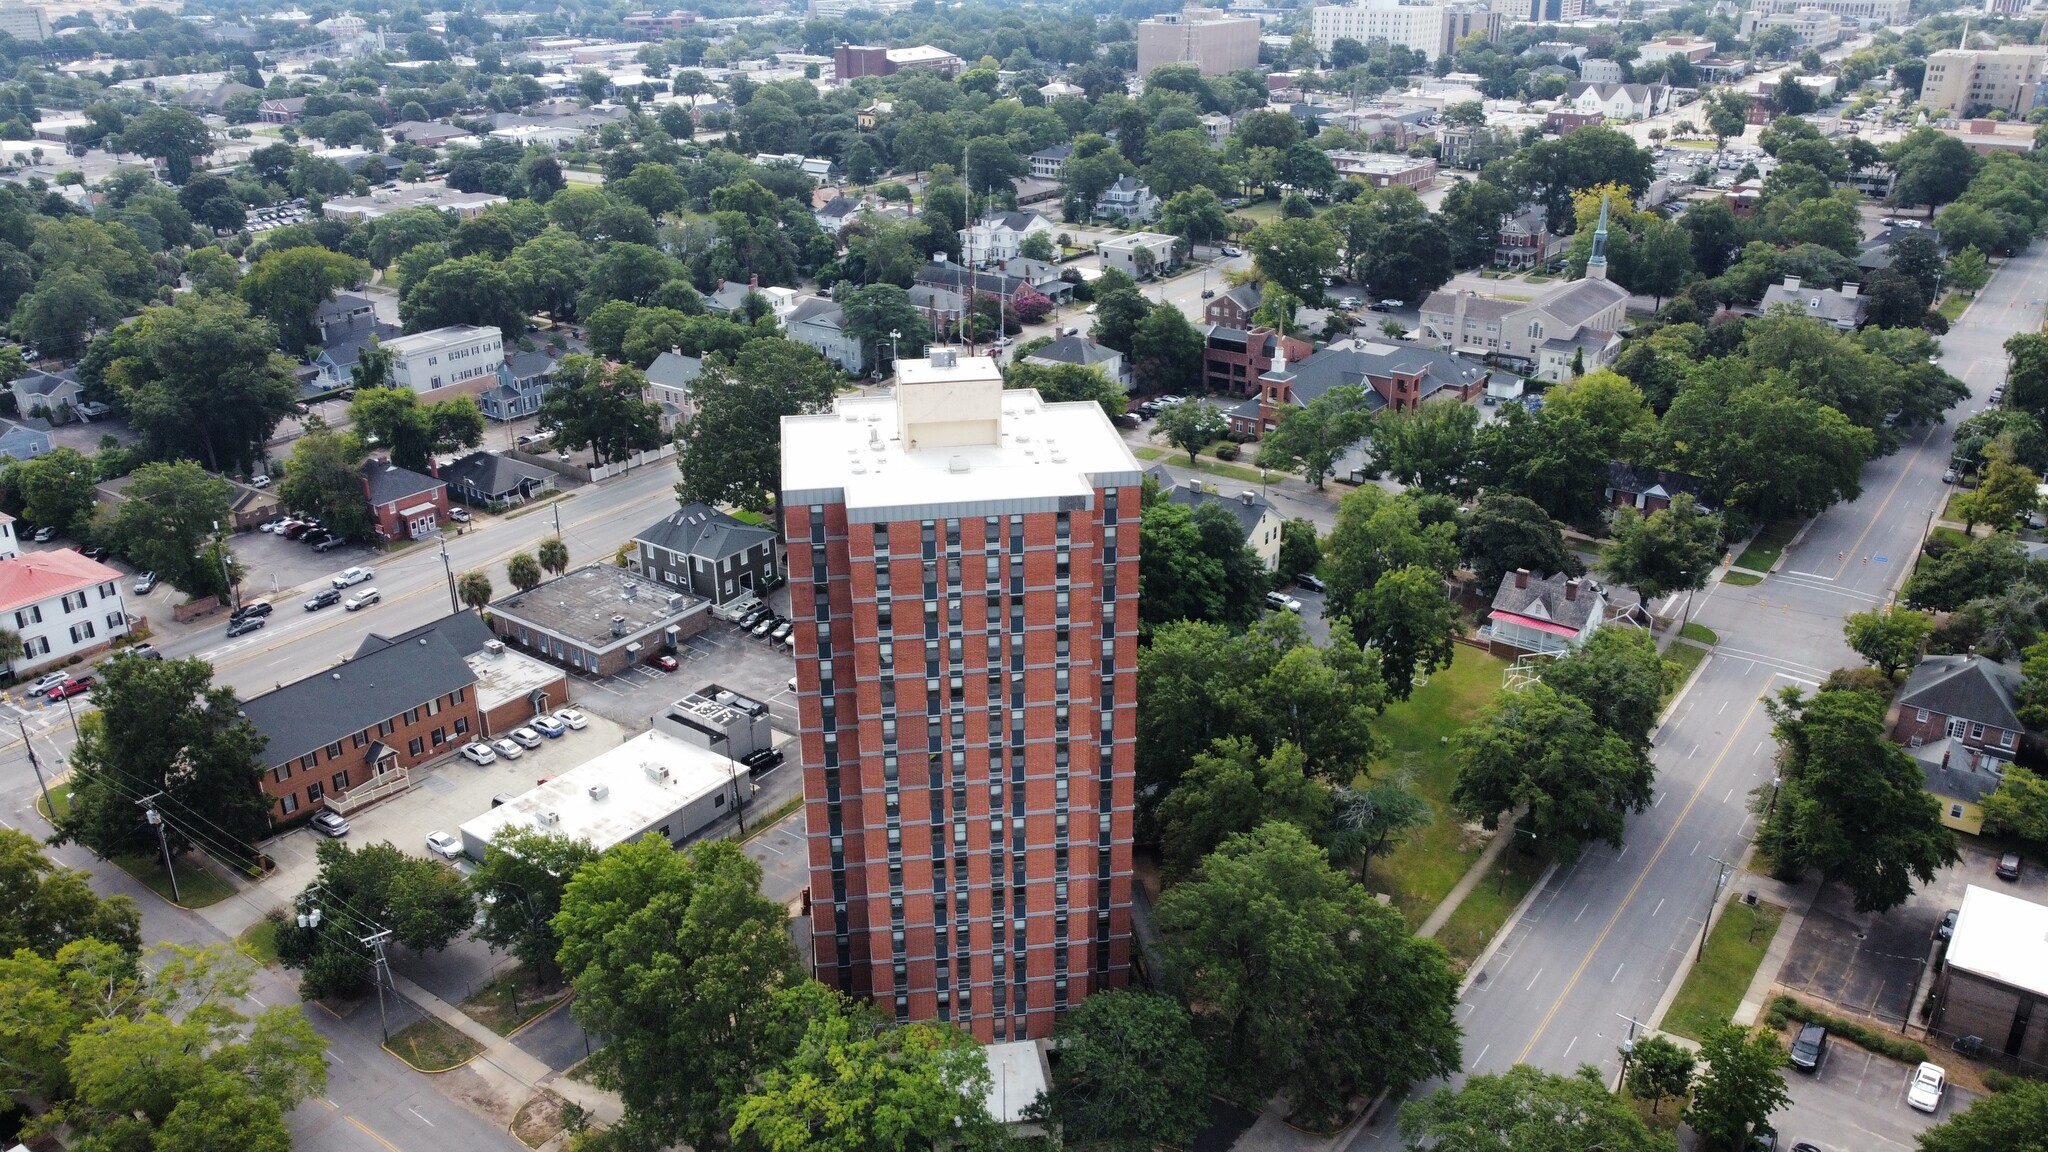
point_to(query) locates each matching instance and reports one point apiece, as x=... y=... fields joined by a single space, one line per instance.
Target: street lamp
x=1721 y=875
x=894 y=336
x=449 y=567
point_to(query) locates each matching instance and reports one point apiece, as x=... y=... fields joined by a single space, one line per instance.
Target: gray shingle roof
x=1074 y=350
x=1829 y=304
x=1967 y=688
x=1580 y=301
x=700 y=530
x=1955 y=779
x=527 y=365
x=389 y=482
x=1544 y=599
x=335 y=704
x=41 y=383
x=674 y=370
x=1248 y=507
x=465 y=630
x=490 y=473
x=1623 y=477
x=816 y=310
x=1335 y=367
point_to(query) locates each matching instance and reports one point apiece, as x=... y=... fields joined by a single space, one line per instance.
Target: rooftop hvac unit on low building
x=599 y=791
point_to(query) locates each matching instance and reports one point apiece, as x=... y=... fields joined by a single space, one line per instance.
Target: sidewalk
x=507 y=1067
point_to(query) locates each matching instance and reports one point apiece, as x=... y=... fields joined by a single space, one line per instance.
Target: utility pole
x=556 y=508
x=234 y=596
x=376 y=940
x=156 y=820
x=1725 y=870
x=449 y=567
x=48 y=804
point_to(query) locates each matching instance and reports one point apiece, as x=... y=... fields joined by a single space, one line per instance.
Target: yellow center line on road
x=1640 y=878
x=372 y=1135
x=1856 y=549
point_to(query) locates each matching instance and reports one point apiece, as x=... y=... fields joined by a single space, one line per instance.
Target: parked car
x=1389 y=305
x=1310 y=581
x=77 y=685
x=244 y=626
x=754 y=615
x=250 y=609
x=442 y=844
x=2009 y=866
x=259 y=482
x=351 y=576
x=326 y=597
x=45 y=534
x=548 y=726
x=1764 y=1139
x=94 y=552
x=507 y=749
x=145 y=584
x=329 y=823
x=316 y=536
x=780 y=630
x=363 y=599
x=1208 y=293
x=572 y=718
x=1948 y=924
x=459 y=515
x=1948 y=476
x=479 y=753
x=47 y=682
x=295 y=529
x=329 y=544
x=762 y=760
x=1809 y=1048
x=525 y=737
x=1282 y=602
x=667 y=663
x=144 y=651
x=1925 y=1089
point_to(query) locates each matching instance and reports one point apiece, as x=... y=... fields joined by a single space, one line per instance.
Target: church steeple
x=1596 y=265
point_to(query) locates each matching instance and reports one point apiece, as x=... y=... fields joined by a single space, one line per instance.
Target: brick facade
x=1926 y=726
x=1000 y=934
x=298 y=780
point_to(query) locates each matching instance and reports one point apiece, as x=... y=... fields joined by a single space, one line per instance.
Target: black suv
x=762 y=760
x=324 y=598
x=1810 y=1047
x=251 y=610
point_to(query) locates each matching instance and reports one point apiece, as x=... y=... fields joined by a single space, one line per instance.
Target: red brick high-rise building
x=963 y=565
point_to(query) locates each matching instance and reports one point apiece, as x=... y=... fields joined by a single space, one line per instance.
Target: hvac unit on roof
x=656 y=772
x=599 y=791
x=549 y=817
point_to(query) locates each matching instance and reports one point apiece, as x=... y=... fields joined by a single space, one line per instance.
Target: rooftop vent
x=630 y=590
x=655 y=772
x=956 y=464
x=618 y=625
x=494 y=647
x=945 y=358
x=549 y=817
x=600 y=791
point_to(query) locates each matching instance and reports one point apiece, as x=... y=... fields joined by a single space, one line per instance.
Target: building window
x=281 y=773
x=461 y=725
x=340 y=781
x=1921 y=715
x=1955 y=811
x=2005 y=739
x=386 y=728
x=116 y=621
x=288 y=804
x=334 y=750
x=440 y=737
x=315 y=791
x=309 y=760
x=416 y=746
x=1976 y=731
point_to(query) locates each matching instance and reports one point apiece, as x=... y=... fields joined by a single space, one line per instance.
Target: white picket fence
x=620 y=467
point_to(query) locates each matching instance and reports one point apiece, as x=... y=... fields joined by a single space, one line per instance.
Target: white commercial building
x=461 y=356
x=61 y=604
x=24 y=22
x=1431 y=29
x=652 y=785
x=383 y=203
x=1209 y=38
x=1964 y=81
x=1863 y=13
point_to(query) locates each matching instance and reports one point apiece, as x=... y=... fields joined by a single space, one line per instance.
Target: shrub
x=1786 y=1008
x=2002 y=1081
x=1227 y=452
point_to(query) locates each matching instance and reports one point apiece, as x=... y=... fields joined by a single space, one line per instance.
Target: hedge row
x=1785 y=1008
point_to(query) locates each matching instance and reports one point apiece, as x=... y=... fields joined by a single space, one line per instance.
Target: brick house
x=1395 y=374
x=1233 y=359
x=1958 y=717
x=1233 y=309
x=405 y=505
x=353 y=733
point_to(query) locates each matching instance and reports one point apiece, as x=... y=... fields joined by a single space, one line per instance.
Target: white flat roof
x=1046 y=450
x=1016 y=1077
x=2002 y=938
x=634 y=801
x=506 y=675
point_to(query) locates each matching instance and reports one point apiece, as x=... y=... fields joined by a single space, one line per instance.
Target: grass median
x=1768 y=546
x=1714 y=988
x=430 y=1045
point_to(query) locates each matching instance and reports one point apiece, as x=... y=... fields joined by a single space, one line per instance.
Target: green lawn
x=1488 y=906
x=1768 y=546
x=1422 y=871
x=431 y=1046
x=1699 y=632
x=1263 y=212
x=1688 y=658
x=197 y=887
x=259 y=942
x=748 y=516
x=1953 y=305
x=1742 y=579
x=1713 y=989
x=1214 y=468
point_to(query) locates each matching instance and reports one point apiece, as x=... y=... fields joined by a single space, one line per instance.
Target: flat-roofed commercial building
x=1209 y=38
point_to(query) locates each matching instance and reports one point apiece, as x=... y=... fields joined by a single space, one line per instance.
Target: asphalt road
x=1603 y=937
x=374 y=1103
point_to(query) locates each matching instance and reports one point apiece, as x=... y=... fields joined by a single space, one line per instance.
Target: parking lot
x=443 y=796
x=720 y=654
x=1856 y=1102
x=1870 y=962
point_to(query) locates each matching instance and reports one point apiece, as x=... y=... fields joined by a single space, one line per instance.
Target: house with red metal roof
x=1544 y=616
x=62 y=604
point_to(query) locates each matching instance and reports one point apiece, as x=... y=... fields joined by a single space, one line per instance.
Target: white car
x=353 y=576
x=442 y=844
x=478 y=753
x=507 y=749
x=48 y=682
x=573 y=718
x=1925 y=1089
x=1282 y=602
x=526 y=737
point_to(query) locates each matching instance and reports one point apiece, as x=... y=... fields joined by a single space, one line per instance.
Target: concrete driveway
x=1857 y=1103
